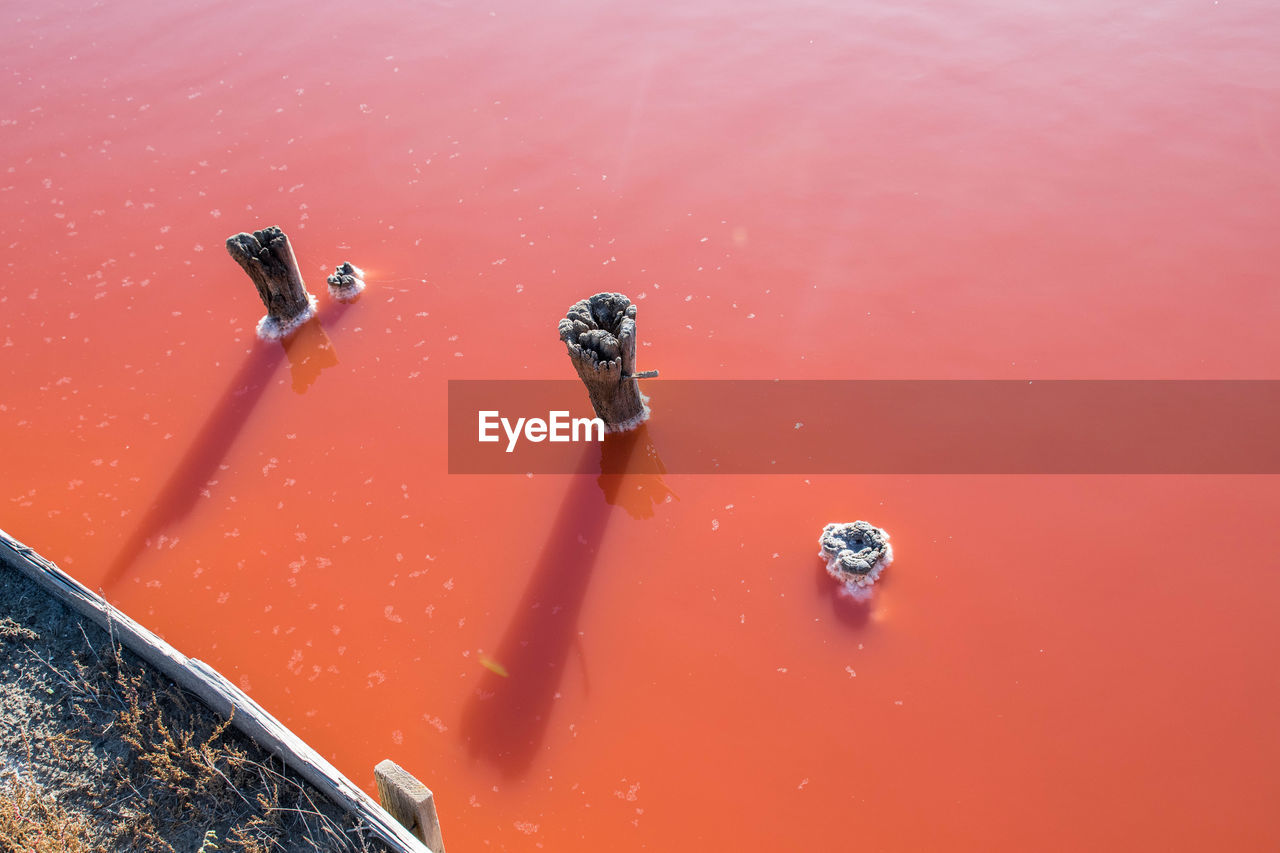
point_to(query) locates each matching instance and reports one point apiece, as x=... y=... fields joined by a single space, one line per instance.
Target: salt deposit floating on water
x=856 y=554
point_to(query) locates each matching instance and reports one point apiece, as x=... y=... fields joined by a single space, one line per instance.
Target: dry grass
x=156 y=771
x=10 y=630
x=195 y=774
x=33 y=821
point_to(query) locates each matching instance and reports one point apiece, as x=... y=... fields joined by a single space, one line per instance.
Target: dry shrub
x=187 y=769
x=10 y=630
x=32 y=820
x=147 y=767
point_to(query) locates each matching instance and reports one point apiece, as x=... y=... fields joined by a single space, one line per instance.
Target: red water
x=940 y=190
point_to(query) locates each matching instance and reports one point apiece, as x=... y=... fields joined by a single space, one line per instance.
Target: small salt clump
x=346 y=282
x=856 y=554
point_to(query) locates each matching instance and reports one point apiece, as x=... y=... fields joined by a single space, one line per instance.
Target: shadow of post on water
x=853 y=611
x=506 y=716
x=308 y=351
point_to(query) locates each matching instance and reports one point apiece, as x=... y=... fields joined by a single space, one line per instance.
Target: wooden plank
x=214 y=690
x=410 y=802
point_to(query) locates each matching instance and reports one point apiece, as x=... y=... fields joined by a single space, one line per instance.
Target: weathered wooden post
x=268 y=259
x=346 y=282
x=410 y=802
x=600 y=334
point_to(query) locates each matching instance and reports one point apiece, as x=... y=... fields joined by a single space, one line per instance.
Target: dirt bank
x=99 y=752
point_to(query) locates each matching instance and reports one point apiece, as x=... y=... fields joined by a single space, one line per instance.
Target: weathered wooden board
x=213 y=689
x=410 y=802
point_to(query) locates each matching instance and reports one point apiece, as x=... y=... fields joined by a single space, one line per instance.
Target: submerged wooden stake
x=410 y=802
x=600 y=334
x=268 y=259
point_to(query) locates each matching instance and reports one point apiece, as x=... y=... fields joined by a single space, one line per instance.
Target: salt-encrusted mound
x=856 y=554
x=346 y=282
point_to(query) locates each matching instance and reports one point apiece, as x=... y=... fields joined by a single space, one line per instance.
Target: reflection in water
x=631 y=473
x=506 y=717
x=309 y=351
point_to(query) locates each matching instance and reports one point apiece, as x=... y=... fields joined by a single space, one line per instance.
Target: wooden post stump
x=410 y=802
x=268 y=259
x=600 y=334
x=346 y=282
x=856 y=554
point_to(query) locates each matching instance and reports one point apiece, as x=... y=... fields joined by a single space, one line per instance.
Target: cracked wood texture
x=268 y=259
x=410 y=802
x=600 y=334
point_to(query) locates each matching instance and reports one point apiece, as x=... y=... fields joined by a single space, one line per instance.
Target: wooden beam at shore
x=410 y=802
x=214 y=690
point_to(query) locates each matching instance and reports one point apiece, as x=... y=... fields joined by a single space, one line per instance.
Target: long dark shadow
x=506 y=717
x=308 y=350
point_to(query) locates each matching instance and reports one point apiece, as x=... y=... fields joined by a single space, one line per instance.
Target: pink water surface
x=791 y=190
